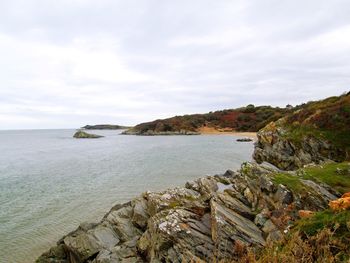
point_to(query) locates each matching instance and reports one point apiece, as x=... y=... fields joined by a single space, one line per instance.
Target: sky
x=67 y=63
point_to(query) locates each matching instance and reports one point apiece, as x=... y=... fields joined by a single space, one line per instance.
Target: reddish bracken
x=305 y=213
x=340 y=204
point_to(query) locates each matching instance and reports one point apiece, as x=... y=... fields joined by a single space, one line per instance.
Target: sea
x=51 y=182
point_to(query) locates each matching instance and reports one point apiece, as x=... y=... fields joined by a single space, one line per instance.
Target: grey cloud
x=66 y=63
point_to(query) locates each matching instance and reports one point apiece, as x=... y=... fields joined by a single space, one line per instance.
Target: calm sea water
x=50 y=182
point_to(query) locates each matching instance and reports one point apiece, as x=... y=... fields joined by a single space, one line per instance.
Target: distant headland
x=105 y=127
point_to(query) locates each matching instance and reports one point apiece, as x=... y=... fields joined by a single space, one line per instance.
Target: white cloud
x=67 y=63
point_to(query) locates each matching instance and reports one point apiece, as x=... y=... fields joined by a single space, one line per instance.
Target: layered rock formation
x=209 y=219
x=274 y=147
x=316 y=132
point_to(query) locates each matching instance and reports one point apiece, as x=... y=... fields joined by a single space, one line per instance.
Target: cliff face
x=275 y=148
x=315 y=133
x=209 y=219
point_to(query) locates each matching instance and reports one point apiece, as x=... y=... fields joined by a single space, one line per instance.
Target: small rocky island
x=84 y=135
x=244 y=139
x=291 y=205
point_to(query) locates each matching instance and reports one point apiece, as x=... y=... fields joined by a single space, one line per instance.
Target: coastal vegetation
x=293 y=205
x=315 y=132
x=245 y=119
x=322 y=237
x=326 y=119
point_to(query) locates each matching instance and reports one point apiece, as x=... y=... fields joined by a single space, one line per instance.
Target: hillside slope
x=256 y=214
x=249 y=118
x=317 y=131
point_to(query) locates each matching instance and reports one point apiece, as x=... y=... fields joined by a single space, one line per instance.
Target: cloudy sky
x=67 y=63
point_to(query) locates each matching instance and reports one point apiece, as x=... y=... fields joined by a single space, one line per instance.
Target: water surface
x=50 y=182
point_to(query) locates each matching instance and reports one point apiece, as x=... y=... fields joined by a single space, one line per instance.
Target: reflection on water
x=50 y=182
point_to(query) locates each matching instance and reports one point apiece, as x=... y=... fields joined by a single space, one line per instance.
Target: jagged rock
x=122 y=223
x=229 y=224
x=250 y=196
x=206 y=186
x=55 y=254
x=266 y=184
x=117 y=255
x=208 y=220
x=230 y=173
x=81 y=247
x=327 y=196
x=275 y=148
x=235 y=205
x=283 y=195
x=261 y=218
x=174 y=234
x=172 y=198
x=140 y=214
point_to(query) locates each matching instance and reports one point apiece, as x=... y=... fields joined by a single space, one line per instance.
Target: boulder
x=283 y=196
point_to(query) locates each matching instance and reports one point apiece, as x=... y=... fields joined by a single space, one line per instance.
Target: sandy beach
x=214 y=131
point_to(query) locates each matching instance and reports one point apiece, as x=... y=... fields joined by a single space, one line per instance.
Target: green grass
x=328 y=174
x=326 y=219
x=340 y=139
x=290 y=181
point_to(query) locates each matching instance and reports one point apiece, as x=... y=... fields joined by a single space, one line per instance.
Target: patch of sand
x=227 y=131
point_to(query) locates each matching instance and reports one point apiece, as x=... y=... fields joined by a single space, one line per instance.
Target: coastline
x=213 y=131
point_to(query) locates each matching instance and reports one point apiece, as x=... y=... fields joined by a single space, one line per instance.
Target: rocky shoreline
x=223 y=217
x=208 y=220
x=201 y=222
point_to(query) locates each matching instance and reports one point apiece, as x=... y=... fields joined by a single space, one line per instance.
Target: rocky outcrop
x=244 y=139
x=84 y=135
x=273 y=146
x=209 y=219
